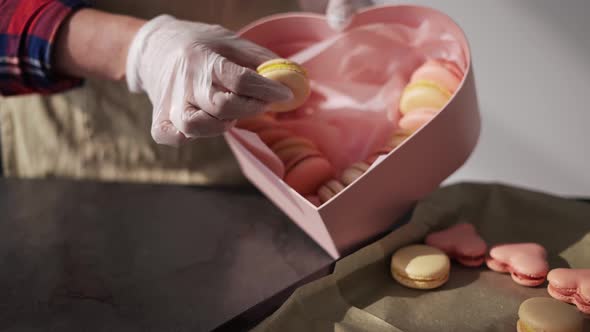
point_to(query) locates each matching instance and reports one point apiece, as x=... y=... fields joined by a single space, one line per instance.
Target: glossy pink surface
x=459 y=240
x=572 y=286
x=527 y=262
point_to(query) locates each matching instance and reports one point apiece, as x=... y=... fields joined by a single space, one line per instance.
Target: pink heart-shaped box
x=372 y=204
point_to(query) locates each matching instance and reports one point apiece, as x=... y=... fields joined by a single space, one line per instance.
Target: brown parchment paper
x=361 y=296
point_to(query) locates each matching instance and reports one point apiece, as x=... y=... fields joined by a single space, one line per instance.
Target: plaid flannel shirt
x=28 y=29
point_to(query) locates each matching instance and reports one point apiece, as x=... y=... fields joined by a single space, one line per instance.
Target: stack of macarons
x=306 y=168
x=429 y=89
x=329 y=190
x=333 y=186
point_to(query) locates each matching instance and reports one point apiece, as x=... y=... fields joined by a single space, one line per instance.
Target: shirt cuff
x=38 y=45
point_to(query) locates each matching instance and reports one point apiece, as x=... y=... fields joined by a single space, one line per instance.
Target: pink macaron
x=414 y=120
x=461 y=242
x=526 y=262
x=308 y=173
x=306 y=168
x=571 y=286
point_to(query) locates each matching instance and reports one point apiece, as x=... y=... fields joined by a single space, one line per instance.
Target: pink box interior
x=373 y=203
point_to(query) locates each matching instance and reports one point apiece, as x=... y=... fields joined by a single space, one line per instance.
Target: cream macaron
x=420 y=267
x=545 y=314
x=445 y=73
x=353 y=172
x=431 y=86
x=290 y=74
x=423 y=94
x=329 y=190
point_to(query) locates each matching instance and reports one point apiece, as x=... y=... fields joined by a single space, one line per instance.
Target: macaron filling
x=420 y=282
x=527 y=276
x=404 y=276
x=295 y=162
x=580 y=301
x=266 y=68
x=469 y=259
x=453 y=69
x=563 y=291
x=497 y=265
x=423 y=94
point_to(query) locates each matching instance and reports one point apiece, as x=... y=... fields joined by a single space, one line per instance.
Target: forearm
x=91 y=43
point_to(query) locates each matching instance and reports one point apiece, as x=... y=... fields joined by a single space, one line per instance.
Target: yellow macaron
x=423 y=94
x=290 y=74
x=420 y=266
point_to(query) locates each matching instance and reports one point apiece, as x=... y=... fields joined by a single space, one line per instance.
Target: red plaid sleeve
x=27 y=32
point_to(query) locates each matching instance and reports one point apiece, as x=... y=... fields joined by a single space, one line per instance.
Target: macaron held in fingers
x=290 y=74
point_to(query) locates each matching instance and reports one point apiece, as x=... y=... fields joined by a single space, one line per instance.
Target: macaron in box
x=370 y=205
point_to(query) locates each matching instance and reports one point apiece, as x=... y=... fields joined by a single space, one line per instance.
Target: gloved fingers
x=164 y=132
x=225 y=105
x=194 y=122
x=245 y=53
x=247 y=83
x=340 y=12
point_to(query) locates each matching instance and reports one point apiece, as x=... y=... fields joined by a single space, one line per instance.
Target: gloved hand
x=198 y=78
x=339 y=12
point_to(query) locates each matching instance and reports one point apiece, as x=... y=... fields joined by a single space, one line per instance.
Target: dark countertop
x=79 y=256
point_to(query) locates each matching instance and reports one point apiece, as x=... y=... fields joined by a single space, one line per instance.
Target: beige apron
x=102 y=132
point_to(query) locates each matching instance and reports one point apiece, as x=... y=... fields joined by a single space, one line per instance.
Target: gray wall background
x=532 y=66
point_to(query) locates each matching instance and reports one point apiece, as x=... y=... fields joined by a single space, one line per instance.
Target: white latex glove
x=339 y=12
x=198 y=78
